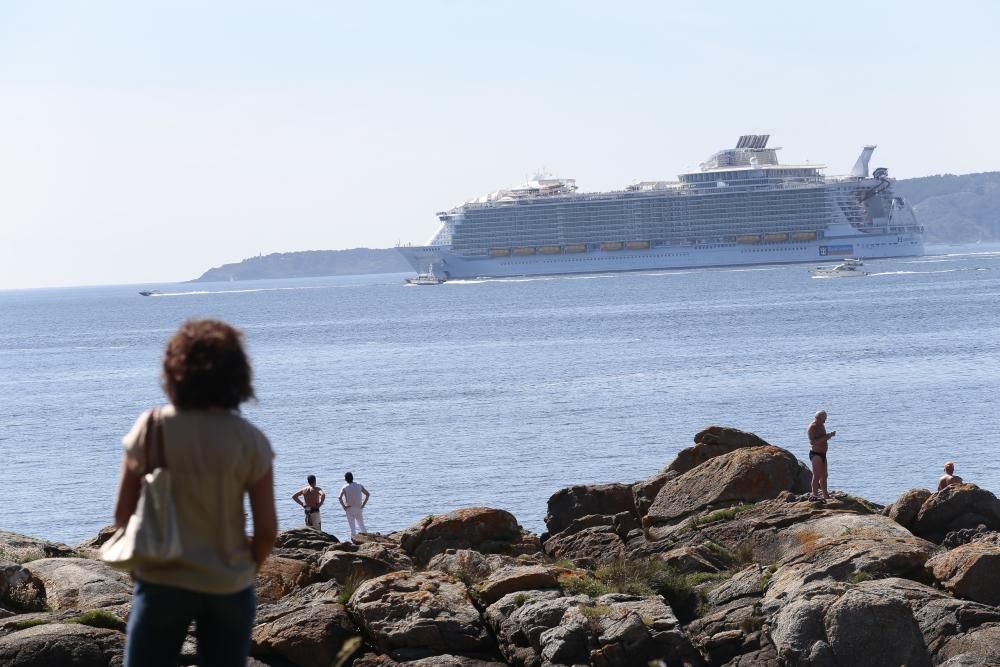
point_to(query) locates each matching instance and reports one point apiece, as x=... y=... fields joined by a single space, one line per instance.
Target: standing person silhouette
x=216 y=458
x=311 y=498
x=818 y=439
x=353 y=498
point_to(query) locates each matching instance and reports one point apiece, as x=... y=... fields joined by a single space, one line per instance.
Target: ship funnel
x=860 y=169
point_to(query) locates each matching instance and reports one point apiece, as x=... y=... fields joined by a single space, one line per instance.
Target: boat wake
x=245 y=291
x=479 y=281
x=957 y=255
x=912 y=273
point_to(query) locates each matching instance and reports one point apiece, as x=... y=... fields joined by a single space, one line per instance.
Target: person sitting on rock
x=818 y=444
x=949 y=477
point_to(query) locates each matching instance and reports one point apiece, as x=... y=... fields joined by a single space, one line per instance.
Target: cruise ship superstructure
x=741 y=207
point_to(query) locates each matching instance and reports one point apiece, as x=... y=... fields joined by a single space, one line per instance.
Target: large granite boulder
x=536 y=628
x=865 y=629
x=452 y=661
x=445 y=660
x=76 y=583
x=834 y=623
x=643 y=629
x=981 y=534
x=280 y=576
x=471 y=567
x=711 y=442
x=411 y=615
x=304 y=538
x=520 y=619
x=480 y=528
x=956 y=507
x=587 y=547
x=904 y=511
x=980 y=647
x=68 y=645
x=971 y=660
x=644 y=491
x=744 y=475
x=308 y=627
x=92 y=546
x=513 y=579
x=19 y=548
x=592 y=539
x=325 y=592
x=840 y=547
x=361 y=561
x=941 y=617
x=569 y=642
x=730 y=626
x=705 y=557
x=20 y=621
x=577 y=502
x=777 y=613
x=19 y=589
x=969 y=571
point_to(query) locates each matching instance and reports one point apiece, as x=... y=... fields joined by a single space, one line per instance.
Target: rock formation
x=718 y=560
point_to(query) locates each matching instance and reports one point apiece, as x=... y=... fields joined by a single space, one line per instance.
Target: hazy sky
x=149 y=141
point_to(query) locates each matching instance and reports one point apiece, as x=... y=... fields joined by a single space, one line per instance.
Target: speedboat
x=849 y=268
x=150 y=292
x=427 y=278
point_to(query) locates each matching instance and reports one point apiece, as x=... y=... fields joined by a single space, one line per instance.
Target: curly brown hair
x=205 y=366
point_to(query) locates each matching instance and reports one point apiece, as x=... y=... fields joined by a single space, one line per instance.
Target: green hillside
x=956 y=209
x=310 y=263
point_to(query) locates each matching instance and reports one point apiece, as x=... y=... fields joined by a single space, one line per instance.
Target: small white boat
x=427 y=278
x=849 y=268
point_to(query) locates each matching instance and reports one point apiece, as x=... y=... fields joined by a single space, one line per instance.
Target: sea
x=499 y=393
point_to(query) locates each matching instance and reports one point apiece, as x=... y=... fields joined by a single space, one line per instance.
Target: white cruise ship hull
x=452 y=265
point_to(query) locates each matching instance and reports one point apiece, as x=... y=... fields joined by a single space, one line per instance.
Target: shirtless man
x=818 y=439
x=311 y=498
x=949 y=477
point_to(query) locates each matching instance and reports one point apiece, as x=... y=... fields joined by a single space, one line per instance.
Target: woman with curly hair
x=215 y=457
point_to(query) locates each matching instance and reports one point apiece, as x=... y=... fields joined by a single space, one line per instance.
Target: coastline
x=718 y=559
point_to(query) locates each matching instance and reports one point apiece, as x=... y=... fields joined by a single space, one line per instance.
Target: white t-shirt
x=353 y=495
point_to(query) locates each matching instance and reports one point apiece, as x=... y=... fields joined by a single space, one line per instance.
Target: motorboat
x=849 y=268
x=150 y=292
x=427 y=278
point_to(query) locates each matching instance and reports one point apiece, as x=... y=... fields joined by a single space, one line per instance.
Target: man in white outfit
x=353 y=498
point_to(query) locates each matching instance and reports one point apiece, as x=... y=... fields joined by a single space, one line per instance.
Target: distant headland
x=309 y=264
x=953 y=209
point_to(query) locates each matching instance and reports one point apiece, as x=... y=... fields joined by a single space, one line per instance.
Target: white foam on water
x=912 y=273
x=248 y=291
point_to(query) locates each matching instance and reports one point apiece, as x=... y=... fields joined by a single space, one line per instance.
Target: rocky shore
x=719 y=559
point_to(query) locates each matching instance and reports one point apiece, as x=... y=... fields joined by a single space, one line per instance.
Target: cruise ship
x=741 y=207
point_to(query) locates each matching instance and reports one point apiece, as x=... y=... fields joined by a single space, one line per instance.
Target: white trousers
x=313 y=520
x=356 y=520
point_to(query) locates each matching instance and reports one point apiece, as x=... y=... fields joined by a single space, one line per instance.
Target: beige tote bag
x=151 y=536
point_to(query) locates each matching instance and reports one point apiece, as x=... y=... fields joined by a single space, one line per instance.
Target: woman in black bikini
x=818 y=439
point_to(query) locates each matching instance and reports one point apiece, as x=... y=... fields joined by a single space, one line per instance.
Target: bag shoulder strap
x=154 y=441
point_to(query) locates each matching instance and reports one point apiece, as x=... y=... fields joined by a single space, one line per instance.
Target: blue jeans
x=159 y=620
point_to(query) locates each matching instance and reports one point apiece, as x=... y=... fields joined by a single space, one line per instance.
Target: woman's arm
x=265 y=519
x=129 y=488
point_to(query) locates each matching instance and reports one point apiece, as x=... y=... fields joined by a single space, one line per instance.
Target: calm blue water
x=500 y=393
